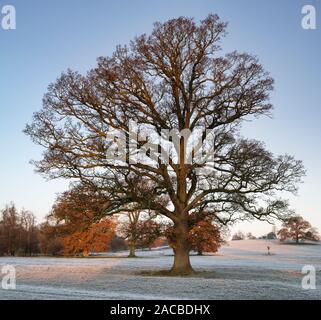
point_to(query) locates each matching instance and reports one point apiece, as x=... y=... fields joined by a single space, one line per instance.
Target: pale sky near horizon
x=54 y=35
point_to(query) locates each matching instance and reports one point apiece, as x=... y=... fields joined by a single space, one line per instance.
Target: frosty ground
x=240 y=270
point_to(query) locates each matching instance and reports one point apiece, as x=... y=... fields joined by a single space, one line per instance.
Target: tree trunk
x=85 y=253
x=181 y=247
x=132 y=251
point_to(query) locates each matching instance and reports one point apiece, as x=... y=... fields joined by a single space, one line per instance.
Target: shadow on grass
x=300 y=244
x=165 y=273
x=244 y=274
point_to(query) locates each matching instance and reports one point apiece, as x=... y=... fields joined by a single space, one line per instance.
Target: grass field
x=240 y=270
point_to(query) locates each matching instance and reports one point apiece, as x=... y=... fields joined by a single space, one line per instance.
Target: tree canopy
x=297 y=229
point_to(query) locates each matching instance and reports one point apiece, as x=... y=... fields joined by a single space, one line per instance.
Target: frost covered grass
x=240 y=270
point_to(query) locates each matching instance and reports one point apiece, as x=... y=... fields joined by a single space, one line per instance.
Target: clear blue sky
x=53 y=35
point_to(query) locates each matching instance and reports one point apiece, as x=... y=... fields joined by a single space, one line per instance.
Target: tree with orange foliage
x=203 y=236
x=77 y=221
x=298 y=229
x=78 y=208
x=96 y=238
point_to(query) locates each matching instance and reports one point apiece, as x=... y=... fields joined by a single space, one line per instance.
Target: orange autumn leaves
x=96 y=238
x=76 y=224
x=203 y=236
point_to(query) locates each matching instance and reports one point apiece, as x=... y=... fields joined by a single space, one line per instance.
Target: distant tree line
x=294 y=228
x=19 y=233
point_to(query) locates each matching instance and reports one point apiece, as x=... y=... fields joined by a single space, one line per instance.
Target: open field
x=240 y=270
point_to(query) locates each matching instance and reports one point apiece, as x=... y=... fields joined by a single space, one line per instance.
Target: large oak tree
x=176 y=78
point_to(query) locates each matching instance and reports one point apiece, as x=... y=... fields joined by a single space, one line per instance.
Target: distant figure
x=268 y=247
